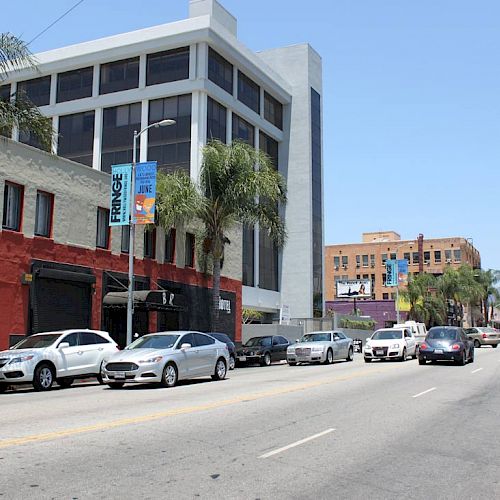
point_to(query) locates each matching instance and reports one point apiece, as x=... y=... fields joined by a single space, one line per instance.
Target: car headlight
x=318 y=349
x=395 y=346
x=291 y=350
x=21 y=359
x=156 y=359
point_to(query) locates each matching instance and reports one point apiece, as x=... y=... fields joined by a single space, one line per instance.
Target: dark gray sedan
x=446 y=343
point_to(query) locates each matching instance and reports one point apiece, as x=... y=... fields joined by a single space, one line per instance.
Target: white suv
x=390 y=343
x=61 y=356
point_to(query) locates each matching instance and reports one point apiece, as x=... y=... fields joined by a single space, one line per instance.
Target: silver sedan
x=323 y=347
x=166 y=358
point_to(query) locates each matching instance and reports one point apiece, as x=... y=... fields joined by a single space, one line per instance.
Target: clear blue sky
x=411 y=100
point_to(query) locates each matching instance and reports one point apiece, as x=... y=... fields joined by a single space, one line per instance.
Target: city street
x=351 y=430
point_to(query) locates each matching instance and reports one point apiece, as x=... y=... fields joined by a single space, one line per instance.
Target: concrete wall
x=288 y=331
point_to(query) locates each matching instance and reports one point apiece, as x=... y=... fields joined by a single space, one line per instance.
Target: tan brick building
x=367 y=259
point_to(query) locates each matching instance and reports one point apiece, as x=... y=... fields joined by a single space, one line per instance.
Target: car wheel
x=220 y=370
x=463 y=359
x=477 y=343
x=116 y=385
x=266 y=361
x=170 y=375
x=329 y=357
x=43 y=377
x=350 y=354
x=494 y=346
x=232 y=362
x=368 y=360
x=292 y=363
x=415 y=356
x=3 y=387
x=471 y=356
x=421 y=361
x=403 y=356
x=65 y=382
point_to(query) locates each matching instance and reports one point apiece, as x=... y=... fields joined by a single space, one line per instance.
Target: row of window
x=12 y=215
x=220 y=72
x=411 y=257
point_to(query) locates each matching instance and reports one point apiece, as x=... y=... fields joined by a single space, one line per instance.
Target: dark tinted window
x=266 y=341
x=119 y=75
x=102 y=233
x=202 y=339
x=12 y=206
x=43 y=214
x=341 y=335
x=437 y=333
x=221 y=336
x=149 y=243
x=273 y=110
x=76 y=137
x=170 y=246
x=243 y=130
x=167 y=66
x=87 y=338
x=125 y=240
x=118 y=125
x=216 y=121
x=171 y=146
x=220 y=71
x=5 y=96
x=317 y=212
x=283 y=340
x=36 y=90
x=75 y=84
x=30 y=139
x=248 y=255
x=248 y=92
x=100 y=340
x=71 y=339
x=186 y=339
x=189 y=249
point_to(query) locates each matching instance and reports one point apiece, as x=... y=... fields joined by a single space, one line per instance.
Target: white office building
x=198 y=73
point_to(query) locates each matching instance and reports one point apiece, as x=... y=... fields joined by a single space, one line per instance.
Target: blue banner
x=144 y=193
x=391 y=270
x=402 y=271
x=119 y=207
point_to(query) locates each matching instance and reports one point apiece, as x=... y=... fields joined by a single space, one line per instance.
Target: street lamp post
x=131 y=244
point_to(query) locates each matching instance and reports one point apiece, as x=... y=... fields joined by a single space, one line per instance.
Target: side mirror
x=185 y=346
x=63 y=345
x=297 y=341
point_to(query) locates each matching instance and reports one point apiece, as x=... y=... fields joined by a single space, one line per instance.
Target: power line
x=56 y=21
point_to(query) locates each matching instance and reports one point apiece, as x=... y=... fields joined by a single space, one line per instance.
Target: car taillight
x=455 y=347
x=423 y=346
x=485 y=336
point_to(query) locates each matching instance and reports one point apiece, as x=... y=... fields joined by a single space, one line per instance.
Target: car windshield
x=37 y=341
x=442 y=334
x=258 y=341
x=387 y=335
x=316 y=337
x=154 y=342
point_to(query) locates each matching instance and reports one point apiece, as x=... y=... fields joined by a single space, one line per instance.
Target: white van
x=418 y=330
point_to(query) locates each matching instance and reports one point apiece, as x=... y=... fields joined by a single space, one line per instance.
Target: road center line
x=424 y=392
x=476 y=370
x=297 y=443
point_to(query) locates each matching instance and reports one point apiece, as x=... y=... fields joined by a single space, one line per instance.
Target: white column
x=53 y=89
x=198 y=130
x=235 y=82
x=229 y=126
x=142 y=71
x=15 y=130
x=143 y=156
x=95 y=81
x=96 y=153
x=202 y=61
x=193 y=73
x=55 y=126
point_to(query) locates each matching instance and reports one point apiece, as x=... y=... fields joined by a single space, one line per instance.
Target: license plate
x=119 y=374
x=242 y=358
x=379 y=352
x=438 y=351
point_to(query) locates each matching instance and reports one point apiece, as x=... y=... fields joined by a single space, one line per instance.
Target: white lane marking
x=297 y=443
x=476 y=370
x=424 y=392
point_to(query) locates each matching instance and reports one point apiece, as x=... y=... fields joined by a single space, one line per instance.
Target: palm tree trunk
x=215 y=295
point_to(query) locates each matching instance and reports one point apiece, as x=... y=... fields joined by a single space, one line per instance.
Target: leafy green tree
x=238 y=184
x=488 y=281
x=418 y=293
x=21 y=112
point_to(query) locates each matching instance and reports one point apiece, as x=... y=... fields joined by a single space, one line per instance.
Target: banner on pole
x=144 y=193
x=391 y=270
x=121 y=177
x=403 y=272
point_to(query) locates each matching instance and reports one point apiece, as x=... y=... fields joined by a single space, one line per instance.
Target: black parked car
x=230 y=346
x=447 y=343
x=263 y=350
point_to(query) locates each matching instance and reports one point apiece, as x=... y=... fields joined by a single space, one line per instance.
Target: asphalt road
x=350 y=430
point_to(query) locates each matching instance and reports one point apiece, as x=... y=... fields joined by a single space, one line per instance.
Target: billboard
x=353 y=289
x=121 y=177
x=145 y=193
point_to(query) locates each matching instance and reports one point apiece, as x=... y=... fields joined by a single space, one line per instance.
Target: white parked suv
x=390 y=343
x=62 y=356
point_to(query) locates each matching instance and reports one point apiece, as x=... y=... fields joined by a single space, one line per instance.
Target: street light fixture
x=131 y=250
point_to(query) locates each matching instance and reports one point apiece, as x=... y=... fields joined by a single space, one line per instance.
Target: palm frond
x=14 y=55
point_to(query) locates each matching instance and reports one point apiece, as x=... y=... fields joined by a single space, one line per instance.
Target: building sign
x=354 y=289
x=145 y=193
x=391 y=270
x=402 y=272
x=285 y=314
x=119 y=212
x=225 y=305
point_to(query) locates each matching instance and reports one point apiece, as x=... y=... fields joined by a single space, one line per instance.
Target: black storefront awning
x=146 y=300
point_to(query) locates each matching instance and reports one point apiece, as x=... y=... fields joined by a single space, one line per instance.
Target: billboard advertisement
x=144 y=193
x=391 y=270
x=121 y=177
x=353 y=289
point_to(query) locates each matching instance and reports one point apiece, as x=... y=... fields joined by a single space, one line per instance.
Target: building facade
x=196 y=72
x=366 y=260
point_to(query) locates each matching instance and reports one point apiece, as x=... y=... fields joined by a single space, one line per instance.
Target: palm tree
x=489 y=293
x=21 y=112
x=231 y=191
